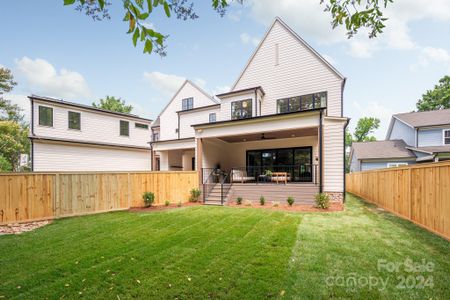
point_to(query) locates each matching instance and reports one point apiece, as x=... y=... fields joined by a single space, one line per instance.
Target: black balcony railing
x=274 y=174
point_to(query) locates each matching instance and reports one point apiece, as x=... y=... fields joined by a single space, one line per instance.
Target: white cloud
x=200 y=82
x=166 y=84
x=247 y=39
x=221 y=89
x=42 y=77
x=308 y=19
x=235 y=15
x=429 y=55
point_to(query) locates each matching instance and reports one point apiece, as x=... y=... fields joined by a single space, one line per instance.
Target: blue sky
x=56 y=51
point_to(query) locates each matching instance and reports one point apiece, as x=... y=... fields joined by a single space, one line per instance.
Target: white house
x=278 y=132
x=67 y=136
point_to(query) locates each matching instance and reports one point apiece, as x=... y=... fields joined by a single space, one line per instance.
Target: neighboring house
x=278 y=132
x=411 y=138
x=67 y=136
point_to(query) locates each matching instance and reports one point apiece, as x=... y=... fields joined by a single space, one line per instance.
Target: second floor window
x=124 y=128
x=45 y=116
x=299 y=103
x=155 y=136
x=212 y=117
x=241 y=109
x=187 y=103
x=446 y=136
x=141 y=125
x=74 y=120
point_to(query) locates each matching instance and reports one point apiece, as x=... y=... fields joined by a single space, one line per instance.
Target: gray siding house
x=411 y=138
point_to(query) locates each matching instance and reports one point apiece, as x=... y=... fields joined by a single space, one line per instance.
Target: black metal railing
x=208 y=178
x=225 y=186
x=274 y=174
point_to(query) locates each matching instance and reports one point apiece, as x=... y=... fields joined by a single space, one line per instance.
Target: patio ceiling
x=283 y=134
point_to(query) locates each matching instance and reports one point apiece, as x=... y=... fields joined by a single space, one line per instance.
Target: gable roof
x=295 y=35
x=181 y=87
x=381 y=149
x=425 y=118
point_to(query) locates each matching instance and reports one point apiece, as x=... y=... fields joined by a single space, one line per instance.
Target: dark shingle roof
x=425 y=118
x=381 y=149
x=432 y=149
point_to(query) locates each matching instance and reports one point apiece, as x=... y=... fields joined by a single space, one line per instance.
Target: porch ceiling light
x=244 y=104
x=199 y=130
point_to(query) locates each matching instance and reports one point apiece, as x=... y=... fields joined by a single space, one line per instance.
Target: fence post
x=57 y=197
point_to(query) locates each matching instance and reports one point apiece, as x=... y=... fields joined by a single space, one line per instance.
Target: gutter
x=345 y=129
x=320 y=153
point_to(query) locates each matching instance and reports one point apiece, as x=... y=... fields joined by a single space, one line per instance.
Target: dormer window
x=187 y=104
x=446 y=136
x=241 y=109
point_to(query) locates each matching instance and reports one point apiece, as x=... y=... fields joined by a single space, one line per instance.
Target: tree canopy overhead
x=353 y=14
x=437 y=98
x=113 y=104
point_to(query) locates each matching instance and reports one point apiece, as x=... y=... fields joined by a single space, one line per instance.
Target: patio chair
x=241 y=176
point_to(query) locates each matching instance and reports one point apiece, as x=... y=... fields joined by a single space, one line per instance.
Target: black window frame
x=70 y=124
x=301 y=104
x=39 y=115
x=141 y=126
x=234 y=117
x=187 y=103
x=121 y=133
x=214 y=115
x=293 y=149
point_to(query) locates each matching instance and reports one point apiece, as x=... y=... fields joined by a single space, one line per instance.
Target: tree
x=13 y=130
x=362 y=133
x=355 y=14
x=113 y=104
x=437 y=98
x=13 y=142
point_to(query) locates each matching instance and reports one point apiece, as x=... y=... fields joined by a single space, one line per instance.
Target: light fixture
x=244 y=140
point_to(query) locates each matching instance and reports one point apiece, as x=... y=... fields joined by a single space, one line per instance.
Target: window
x=446 y=134
x=140 y=125
x=212 y=117
x=155 y=136
x=394 y=165
x=74 y=120
x=124 y=128
x=187 y=103
x=45 y=116
x=241 y=109
x=299 y=103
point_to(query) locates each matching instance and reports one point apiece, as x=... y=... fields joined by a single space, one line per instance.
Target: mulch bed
x=334 y=206
x=163 y=207
x=18 y=228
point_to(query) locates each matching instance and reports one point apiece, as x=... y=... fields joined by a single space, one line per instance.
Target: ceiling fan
x=263 y=137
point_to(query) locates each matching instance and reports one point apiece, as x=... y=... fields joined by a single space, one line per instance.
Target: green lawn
x=222 y=252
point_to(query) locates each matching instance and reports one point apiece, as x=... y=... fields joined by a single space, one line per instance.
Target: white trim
x=277 y=19
x=396 y=164
x=444 y=137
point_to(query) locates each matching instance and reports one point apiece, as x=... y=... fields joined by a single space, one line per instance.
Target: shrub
x=195 y=195
x=179 y=204
x=239 y=200
x=290 y=200
x=167 y=203
x=275 y=203
x=322 y=200
x=262 y=200
x=149 y=198
x=268 y=173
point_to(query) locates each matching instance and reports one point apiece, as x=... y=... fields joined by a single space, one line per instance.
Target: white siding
x=64 y=157
x=169 y=117
x=299 y=72
x=95 y=126
x=333 y=155
x=194 y=117
x=225 y=107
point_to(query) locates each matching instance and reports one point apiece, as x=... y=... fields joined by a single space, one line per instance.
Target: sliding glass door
x=297 y=162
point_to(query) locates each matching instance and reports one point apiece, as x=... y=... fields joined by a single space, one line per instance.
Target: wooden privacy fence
x=37 y=196
x=420 y=193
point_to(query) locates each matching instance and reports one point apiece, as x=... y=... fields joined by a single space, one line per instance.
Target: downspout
x=32 y=134
x=178 y=125
x=256 y=103
x=320 y=153
x=345 y=128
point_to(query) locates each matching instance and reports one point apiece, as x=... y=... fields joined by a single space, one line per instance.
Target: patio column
x=320 y=153
x=199 y=160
